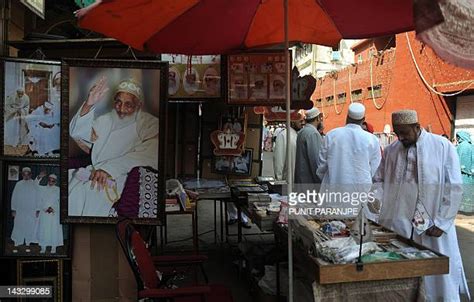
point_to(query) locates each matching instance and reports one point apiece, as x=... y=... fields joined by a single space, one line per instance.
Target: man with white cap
x=17 y=108
x=421 y=181
x=280 y=164
x=349 y=156
x=308 y=144
x=24 y=209
x=117 y=141
x=44 y=126
x=50 y=230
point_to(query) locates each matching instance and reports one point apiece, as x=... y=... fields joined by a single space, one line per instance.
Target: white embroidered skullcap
x=19 y=88
x=48 y=105
x=132 y=87
x=26 y=169
x=53 y=176
x=356 y=111
x=312 y=113
x=404 y=117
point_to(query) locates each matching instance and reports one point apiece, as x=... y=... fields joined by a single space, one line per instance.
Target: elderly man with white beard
x=50 y=231
x=124 y=138
x=25 y=209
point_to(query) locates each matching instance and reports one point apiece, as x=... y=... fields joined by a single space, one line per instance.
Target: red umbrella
x=222 y=26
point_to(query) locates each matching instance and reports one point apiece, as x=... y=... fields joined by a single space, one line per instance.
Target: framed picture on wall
x=43 y=273
x=31 y=106
x=257 y=78
x=234 y=165
x=31 y=226
x=195 y=77
x=114 y=119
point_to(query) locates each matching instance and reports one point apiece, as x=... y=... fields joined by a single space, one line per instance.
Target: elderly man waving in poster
x=421 y=196
x=119 y=140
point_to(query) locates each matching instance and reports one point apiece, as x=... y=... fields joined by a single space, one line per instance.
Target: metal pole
x=289 y=171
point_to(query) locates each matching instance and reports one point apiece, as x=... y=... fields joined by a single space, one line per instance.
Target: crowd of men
x=418 y=175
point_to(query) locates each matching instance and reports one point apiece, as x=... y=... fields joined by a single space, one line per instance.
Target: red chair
x=157 y=285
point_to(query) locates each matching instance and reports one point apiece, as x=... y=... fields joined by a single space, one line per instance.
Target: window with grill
x=356 y=95
x=330 y=99
x=376 y=91
x=341 y=98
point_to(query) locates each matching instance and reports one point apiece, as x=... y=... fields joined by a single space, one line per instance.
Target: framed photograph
x=235 y=165
x=36 y=6
x=32 y=226
x=196 y=77
x=114 y=123
x=45 y=273
x=257 y=79
x=31 y=108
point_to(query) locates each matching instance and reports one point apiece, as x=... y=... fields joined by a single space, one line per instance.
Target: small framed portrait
x=49 y=272
x=174 y=81
x=191 y=81
x=31 y=108
x=234 y=165
x=239 y=87
x=258 y=86
x=114 y=118
x=277 y=86
x=32 y=226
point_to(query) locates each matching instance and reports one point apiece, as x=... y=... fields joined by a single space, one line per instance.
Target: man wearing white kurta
x=349 y=156
x=50 y=230
x=421 y=171
x=280 y=165
x=124 y=138
x=44 y=132
x=16 y=109
x=25 y=209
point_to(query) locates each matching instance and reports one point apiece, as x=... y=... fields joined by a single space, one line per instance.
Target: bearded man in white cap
x=280 y=164
x=421 y=181
x=349 y=156
x=119 y=140
x=50 y=230
x=17 y=108
x=44 y=126
x=24 y=209
x=308 y=144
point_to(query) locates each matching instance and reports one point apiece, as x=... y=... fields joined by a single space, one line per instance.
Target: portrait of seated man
x=117 y=141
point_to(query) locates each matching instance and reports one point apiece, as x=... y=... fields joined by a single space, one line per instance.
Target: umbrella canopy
x=218 y=27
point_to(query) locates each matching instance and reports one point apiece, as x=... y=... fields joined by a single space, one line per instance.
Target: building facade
x=394 y=73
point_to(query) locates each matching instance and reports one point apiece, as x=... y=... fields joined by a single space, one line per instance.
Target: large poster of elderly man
x=32 y=224
x=31 y=106
x=115 y=117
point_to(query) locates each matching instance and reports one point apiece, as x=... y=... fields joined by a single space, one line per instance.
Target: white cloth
x=43 y=139
x=50 y=230
x=25 y=203
x=349 y=156
x=308 y=144
x=116 y=151
x=280 y=164
x=439 y=188
x=16 y=109
x=233 y=213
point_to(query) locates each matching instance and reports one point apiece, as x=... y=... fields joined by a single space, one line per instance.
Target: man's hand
x=99 y=179
x=374 y=206
x=434 y=232
x=96 y=94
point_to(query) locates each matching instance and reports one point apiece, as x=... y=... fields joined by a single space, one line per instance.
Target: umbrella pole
x=289 y=168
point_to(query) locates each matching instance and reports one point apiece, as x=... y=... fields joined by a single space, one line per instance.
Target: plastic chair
x=153 y=284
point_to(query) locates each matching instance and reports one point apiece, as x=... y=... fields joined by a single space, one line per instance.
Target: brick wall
x=402 y=87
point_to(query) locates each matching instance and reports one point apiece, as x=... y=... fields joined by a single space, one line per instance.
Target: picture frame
x=31 y=226
x=257 y=79
x=127 y=127
x=195 y=78
x=45 y=272
x=234 y=165
x=31 y=107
